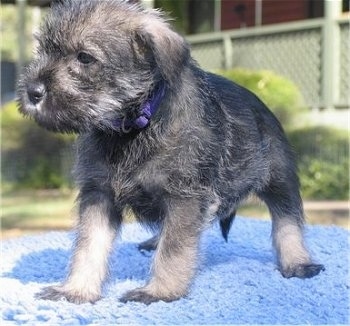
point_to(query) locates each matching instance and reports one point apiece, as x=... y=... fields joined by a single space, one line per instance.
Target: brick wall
x=241 y=13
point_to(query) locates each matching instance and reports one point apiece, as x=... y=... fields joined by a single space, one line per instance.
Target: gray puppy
x=178 y=145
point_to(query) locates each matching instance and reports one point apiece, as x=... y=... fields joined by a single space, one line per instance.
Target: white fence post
x=21 y=19
x=228 y=52
x=331 y=54
x=148 y=3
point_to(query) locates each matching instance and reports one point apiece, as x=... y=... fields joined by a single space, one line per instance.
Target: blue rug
x=237 y=282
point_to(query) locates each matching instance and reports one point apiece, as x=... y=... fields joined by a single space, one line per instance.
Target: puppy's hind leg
x=88 y=269
x=175 y=258
x=285 y=206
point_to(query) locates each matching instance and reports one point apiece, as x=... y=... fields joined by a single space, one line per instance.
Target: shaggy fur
x=209 y=144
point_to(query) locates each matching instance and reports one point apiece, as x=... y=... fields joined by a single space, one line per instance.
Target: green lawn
x=29 y=212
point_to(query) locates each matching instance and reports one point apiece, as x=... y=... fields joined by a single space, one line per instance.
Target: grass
x=29 y=212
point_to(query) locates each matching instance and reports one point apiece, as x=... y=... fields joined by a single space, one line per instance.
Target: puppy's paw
x=303 y=270
x=148 y=245
x=144 y=296
x=56 y=293
x=138 y=295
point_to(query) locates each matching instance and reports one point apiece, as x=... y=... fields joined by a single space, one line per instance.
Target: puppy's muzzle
x=36 y=92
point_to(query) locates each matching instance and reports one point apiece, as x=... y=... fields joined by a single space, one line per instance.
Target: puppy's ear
x=169 y=50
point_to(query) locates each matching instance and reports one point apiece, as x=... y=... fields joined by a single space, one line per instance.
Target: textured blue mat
x=237 y=282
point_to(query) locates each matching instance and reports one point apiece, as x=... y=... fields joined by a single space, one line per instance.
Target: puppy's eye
x=85 y=58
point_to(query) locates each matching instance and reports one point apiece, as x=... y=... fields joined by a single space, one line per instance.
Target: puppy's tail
x=226 y=223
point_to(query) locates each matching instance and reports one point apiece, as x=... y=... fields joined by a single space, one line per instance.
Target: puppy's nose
x=36 y=92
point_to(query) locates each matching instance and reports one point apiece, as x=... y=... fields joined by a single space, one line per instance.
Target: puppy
x=177 y=145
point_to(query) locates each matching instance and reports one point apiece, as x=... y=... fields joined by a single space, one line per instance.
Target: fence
x=295 y=50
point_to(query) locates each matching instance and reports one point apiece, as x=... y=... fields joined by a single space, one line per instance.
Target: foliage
x=325 y=180
x=9 y=31
x=280 y=94
x=323 y=156
x=328 y=143
x=31 y=156
x=176 y=10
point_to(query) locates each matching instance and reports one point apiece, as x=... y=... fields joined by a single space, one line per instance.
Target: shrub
x=31 y=156
x=323 y=157
x=324 y=180
x=280 y=94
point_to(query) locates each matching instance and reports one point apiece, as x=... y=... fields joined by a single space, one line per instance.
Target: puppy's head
x=98 y=61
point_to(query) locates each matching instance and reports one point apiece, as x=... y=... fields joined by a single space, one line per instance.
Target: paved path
x=327 y=205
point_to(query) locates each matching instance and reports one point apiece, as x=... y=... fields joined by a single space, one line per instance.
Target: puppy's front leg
x=176 y=256
x=95 y=235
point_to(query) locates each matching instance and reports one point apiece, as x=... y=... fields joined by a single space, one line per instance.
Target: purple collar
x=147 y=110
